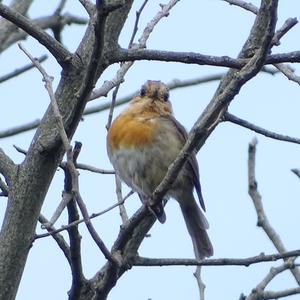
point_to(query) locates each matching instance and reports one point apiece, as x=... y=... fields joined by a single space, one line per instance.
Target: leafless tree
x=81 y=70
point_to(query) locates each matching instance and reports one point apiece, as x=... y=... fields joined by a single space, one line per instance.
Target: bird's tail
x=197 y=226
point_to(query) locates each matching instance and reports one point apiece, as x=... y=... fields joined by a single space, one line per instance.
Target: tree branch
x=8 y=29
x=233 y=119
x=53 y=22
x=62 y=244
x=22 y=69
x=263 y=221
x=19 y=129
x=242 y=4
x=288 y=24
x=258 y=292
x=62 y=55
x=281 y=294
x=246 y=262
x=123 y=55
x=77 y=222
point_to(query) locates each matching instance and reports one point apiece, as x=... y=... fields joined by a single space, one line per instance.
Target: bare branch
x=242 y=4
x=137 y=18
x=70 y=163
x=77 y=165
x=296 y=172
x=73 y=216
x=22 y=69
x=77 y=222
x=231 y=118
x=120 y=198
x=288 y=24
x=66 y=198
x=263 y=221
x=246 y=262
x=93 y=231
x=119 y=77
x=53 y=22
x=60 y=7
x=201 y=285
x=281 y=294
x=19 y=129
x=61 y=54
x=48 y=85
x=288 y=72
x=93 y=169
x=123 y=55
x=259 y=291
x=112 y=106
x=8 y=29
x=57 y=237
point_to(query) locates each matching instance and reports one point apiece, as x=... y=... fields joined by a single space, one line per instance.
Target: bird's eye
x=143 y=91
x=166 y=96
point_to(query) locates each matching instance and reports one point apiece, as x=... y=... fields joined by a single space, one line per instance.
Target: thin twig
x=296 y=172
x=120 y=198
x=48 y=85
x=22 y=69
x=259 y=291
x=135 y=27
x=201 y=285
x=242 y=4
x=288 y=72
x=233 y=119
x=274 y=271
x=70 y=164
x=73 y=232
x=75 y=223
x=92 y=230
x=93 y=169
x=61 y=54
x=58 y=238
x=19 y=129
x=112 y=106
x=60 y=7
x=263 y=221
x=281 y=294
x=119 y=77
x=288 y=24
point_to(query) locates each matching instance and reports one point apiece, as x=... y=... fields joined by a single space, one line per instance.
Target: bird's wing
x=192 y=161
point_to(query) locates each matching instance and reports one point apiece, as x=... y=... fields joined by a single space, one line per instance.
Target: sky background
x=272 y=102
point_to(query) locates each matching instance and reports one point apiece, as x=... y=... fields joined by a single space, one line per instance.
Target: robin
x=142 y=142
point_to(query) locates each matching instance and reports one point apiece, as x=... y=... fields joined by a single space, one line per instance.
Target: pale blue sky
x=205 y=26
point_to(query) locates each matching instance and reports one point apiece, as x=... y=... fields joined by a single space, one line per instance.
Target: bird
x=142 y=142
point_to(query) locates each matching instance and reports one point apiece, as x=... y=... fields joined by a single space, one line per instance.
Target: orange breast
x=129 y=131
